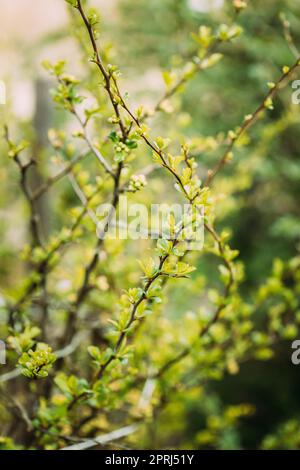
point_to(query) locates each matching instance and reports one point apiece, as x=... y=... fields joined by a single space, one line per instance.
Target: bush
x=97 y=341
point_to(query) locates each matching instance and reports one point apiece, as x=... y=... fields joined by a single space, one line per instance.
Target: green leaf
x=113 y=136
x=149 y=267
x=162 y=143
x=164 y=246
x=73 y=3
x=94 y=352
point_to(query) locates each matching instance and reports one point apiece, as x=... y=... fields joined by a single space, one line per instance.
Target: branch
x=105 y=438
x=54 y=179
x=145 y=398
x=45 y=265
x=23 y=168
x=288 y=35
x=249 y=121
x=106 y=76
x=90 y=144
x=84 y=289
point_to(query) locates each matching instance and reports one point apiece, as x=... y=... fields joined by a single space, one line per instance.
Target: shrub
x=95 y=340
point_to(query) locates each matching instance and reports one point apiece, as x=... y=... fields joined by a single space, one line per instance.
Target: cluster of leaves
x=36 y=364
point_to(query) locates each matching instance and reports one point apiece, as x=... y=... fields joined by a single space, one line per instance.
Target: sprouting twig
x=288 y=35
x=24 y=181
x=249 y=121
